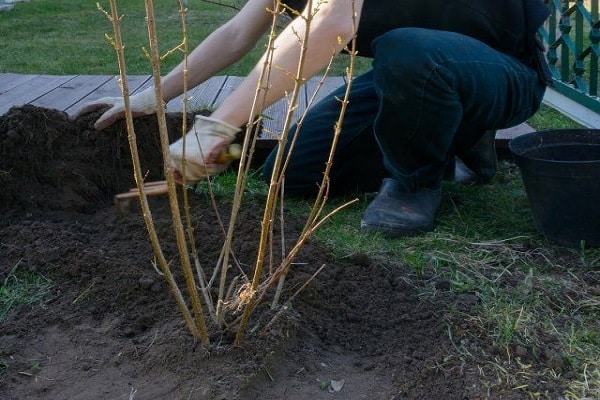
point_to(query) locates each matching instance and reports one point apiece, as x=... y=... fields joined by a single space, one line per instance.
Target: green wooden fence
x=572 y=39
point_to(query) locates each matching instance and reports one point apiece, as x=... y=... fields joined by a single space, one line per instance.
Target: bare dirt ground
x=111 y=330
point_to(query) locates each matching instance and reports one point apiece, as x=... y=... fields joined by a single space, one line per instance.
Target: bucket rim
x=526 y=143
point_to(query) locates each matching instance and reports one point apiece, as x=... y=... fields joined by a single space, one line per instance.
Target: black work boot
x=480 y=159
x=396 y=213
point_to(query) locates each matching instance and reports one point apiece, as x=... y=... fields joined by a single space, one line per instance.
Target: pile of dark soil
x=48 y=161
x=110 y=329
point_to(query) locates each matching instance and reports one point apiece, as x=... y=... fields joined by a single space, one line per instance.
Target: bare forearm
x=221 y=49
x=324 y=40
x=203 y=62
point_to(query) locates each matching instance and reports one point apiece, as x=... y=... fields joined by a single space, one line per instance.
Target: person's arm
x=330 y=31
x=222 y=48
x=331 y=28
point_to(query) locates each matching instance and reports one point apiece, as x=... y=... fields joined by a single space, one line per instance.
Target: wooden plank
x=228 y=87
x=149 y=83
x=110 y=88
x=9 y=82
x=317 y=88
x=275 y=115
x=68 y=94
x=71 y=92
x=31 y=90
x=201 y=96
x=503 y=136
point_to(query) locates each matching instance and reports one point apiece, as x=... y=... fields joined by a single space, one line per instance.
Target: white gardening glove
x=143 y=103
x=207 y=139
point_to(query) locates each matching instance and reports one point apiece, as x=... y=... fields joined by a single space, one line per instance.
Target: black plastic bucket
x=561 y=174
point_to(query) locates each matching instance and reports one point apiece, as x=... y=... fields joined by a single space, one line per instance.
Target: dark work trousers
x=429 y=95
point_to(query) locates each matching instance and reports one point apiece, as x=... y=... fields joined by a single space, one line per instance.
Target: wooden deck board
x=319 y=88
x=110 y=88
x=68 y=93
x=275 y=114
x=201 y=97
x=230 y=84
x=30 y=90
x=9 y=82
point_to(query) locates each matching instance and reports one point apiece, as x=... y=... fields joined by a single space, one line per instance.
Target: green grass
x=67 y=37
x=530 y=295
x=22 y=288
x=547 y=118
x=63 y=37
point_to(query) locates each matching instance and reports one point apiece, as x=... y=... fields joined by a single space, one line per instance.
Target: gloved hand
x=203 y=144
x=143 y=103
